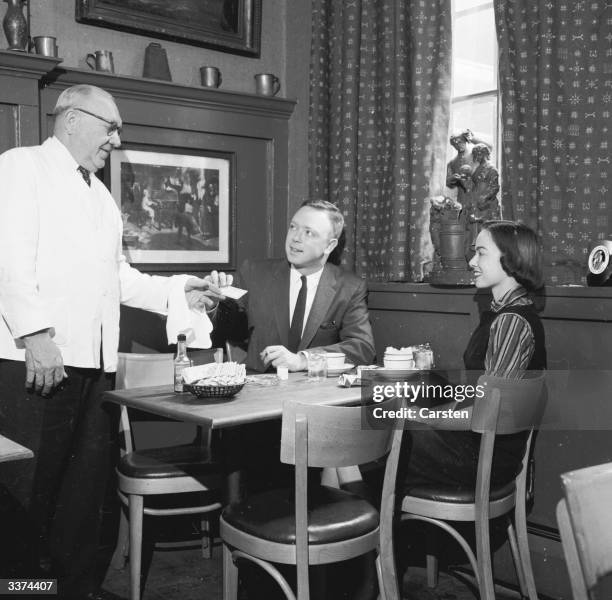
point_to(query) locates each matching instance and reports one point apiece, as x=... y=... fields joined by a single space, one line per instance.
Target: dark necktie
x=85 y=175
x=297 y=322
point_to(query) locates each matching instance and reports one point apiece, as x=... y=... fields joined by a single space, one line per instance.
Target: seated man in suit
x=300 y=302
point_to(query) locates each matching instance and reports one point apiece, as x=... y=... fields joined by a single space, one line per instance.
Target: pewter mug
x=102 y=60
x=210 y=76
x=45 y=45
x=267 y=84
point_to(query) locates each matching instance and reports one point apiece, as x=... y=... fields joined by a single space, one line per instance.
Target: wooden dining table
x=255 y=402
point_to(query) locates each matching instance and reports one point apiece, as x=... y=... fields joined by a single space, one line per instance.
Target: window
x=474 y=99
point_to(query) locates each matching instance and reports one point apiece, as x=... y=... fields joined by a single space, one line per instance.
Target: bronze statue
x=486 y=185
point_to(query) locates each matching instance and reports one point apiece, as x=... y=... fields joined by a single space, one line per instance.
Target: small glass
x=424 y=358
x=317 y=365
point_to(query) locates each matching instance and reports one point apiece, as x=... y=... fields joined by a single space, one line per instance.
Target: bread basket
x=213 y=391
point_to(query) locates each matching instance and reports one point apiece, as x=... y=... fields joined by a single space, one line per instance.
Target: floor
x=182 y=574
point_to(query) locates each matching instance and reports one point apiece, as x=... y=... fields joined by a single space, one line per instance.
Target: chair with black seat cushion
x=584 y=517
x=308 y=525
x=507 y=407
x=176 y=480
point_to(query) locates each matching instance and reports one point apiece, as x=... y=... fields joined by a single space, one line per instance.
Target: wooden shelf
x=167 y=92
x=22 y=64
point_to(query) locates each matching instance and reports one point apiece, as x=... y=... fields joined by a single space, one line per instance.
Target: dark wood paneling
x=8 y=126
x=20 y=75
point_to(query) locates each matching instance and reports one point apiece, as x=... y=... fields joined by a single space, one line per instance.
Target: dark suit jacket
x=338 y=320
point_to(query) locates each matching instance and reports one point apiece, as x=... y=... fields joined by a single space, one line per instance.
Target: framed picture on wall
x=227 y=25
x=176 y=208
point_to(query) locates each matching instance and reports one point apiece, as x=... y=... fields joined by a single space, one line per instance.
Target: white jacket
x=61 y=264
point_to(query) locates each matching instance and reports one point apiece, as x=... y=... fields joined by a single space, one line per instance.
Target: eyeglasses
x=113 y=127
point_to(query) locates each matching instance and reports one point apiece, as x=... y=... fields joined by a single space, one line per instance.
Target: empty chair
x=158 y=471
x=583 y=517
x=307 y=526
x=508 y=406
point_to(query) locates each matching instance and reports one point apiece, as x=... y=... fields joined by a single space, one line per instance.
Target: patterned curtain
x=556 y=88
x=379 y=112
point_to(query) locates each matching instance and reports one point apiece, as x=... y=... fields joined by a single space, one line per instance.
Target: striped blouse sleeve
x=511 y=345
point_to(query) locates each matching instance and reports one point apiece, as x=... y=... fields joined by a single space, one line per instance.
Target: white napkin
x=195 y=325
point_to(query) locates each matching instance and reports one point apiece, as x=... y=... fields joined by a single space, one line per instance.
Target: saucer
x=338 y=371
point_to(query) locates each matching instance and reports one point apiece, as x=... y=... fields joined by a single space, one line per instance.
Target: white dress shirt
x=295 y=284
x=61 y=262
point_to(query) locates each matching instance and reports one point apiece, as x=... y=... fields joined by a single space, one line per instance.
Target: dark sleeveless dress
x=450 y=458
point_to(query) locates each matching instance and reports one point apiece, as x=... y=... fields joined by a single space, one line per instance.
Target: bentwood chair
x=507 y=407
x=185 y=476
x=308 y=526
x=584 y=519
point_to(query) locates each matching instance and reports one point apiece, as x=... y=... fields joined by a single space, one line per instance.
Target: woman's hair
x=520 y=252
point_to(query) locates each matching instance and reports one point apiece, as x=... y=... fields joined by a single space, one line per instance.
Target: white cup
x=401 y=362
x=335 y=360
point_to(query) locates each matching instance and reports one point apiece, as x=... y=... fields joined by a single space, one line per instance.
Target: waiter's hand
x=204 y=294
x=44 y=363
x=279 y=356
x=219 y=278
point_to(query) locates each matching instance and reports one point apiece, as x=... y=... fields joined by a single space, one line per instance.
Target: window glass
x=474 y=52
x=478 y=114
x=475 y=103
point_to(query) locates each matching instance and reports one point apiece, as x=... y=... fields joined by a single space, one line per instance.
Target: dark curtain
x=555 y=70
x=380 y=97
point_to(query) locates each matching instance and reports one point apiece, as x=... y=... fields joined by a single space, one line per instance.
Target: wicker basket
x=213 y=391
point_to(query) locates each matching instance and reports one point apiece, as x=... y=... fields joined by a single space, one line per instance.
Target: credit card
x=229 y=291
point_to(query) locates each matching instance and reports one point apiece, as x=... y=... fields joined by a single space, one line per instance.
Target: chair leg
x=230 y=575
x=520 y=522
x=516 y=558
x=382 y=592
x=385 y=561
x=432 y=571
x=123 y=542
x=484 y=563
x=136 y=505
x=207 y=538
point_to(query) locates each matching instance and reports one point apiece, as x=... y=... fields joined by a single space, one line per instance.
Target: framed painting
x=227 y=25
x=176 y=208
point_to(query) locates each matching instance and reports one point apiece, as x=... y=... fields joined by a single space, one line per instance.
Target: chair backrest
x=327 y=436
x=521 y=404
x=335 y=436
x=588 y=498
x=142 y=370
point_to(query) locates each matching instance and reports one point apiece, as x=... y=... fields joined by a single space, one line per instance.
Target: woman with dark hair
x=508 y=341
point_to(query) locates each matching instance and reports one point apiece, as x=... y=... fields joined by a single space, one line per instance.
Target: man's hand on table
x=279 y=356
x=44 y=363
x=205 y=294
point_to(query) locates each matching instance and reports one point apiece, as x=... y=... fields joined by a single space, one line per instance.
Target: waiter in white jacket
x=62 y=279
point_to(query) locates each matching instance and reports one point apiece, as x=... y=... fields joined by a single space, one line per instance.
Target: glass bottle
x=181 y=362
